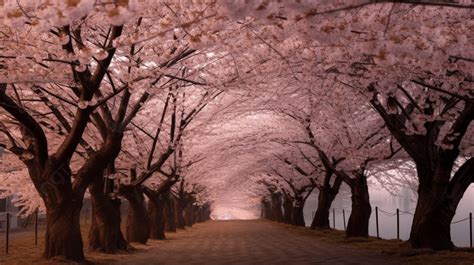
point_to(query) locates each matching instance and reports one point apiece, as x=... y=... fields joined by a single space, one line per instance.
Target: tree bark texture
x=170 y=212
x=63 y=234
x=138 y=223
x=358 y=224
x=105 y=234
x=156 y=211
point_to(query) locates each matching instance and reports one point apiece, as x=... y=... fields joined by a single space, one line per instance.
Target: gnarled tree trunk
x=207 y=212
x=321 y=217
x=298 y=216
x=63 y=233
x=267 y=209
x=138 y=224
x=358 y=225
x=437 y=205
x=276 y=207
x=327 y=194
x=199 y=214
x=180 y=222
x=170 y=212
x=431 y=223
x=63 y=206
x=288 y=209
x=156 y=211
x=188 y=216
x=193 y=214
x=105 y=234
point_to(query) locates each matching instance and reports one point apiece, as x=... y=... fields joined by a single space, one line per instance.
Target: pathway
x=250 y=242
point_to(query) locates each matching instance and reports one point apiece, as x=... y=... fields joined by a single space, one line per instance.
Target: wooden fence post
x=334 y=218
x=377 y=221
x=344 y=219
x=36 y=227
x=398 y=223
x=7 y=233
x=470 y=229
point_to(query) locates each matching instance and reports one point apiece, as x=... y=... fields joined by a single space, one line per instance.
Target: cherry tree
x=414 y=102
x=51 y=174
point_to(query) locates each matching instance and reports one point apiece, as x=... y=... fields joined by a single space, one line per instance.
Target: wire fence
x=11 y=224
x=6 y=219
x=397 y=214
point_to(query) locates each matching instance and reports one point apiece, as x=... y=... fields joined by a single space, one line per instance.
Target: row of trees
x=314 y=168
x=372 y=93
x=91 y=108
x=114 y=100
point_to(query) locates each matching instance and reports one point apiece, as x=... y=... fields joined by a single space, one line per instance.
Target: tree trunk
x=431 y=224
x=105 y=234
x=434 y=212
x=321 y=217
x=63 y=234
x=288 y=210
x=170 y=213
x=267 y=210
x=181 y=223
x=439 y=195
x=138 y=224
x=276 y=207
x=207 y=212
x=156 y=211
x=358 y=225
x=203 y=213
x=188 y=216
x=63 y=206
x=298 y=216
x=200 y=215
x=193 y=211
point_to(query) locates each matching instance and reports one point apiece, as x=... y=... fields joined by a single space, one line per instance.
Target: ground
x=250 y=242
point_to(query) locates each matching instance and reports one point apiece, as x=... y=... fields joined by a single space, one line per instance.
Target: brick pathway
x=250 y=242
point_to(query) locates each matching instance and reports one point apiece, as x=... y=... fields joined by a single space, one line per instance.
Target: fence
x=5 y=225
x=397 y=214
x=35 y=221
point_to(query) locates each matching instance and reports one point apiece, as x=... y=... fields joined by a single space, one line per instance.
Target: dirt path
x=250 y=242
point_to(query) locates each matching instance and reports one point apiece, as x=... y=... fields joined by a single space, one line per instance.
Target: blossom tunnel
x=146 y=117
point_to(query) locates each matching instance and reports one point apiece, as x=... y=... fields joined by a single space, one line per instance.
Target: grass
x=392 y=248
